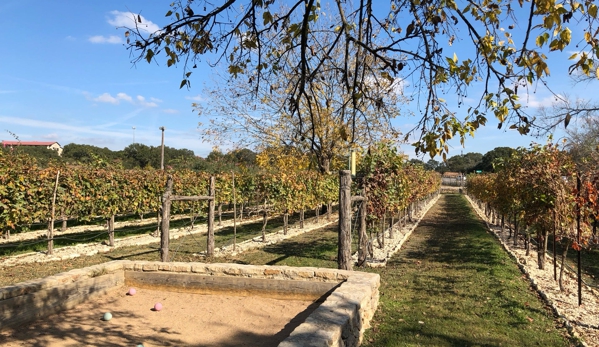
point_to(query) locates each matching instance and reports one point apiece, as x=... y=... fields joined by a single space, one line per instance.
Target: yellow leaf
x=455 y=58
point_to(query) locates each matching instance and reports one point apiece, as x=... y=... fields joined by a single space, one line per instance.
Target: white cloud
x=198 y=98
x=107 y=98
x=52 y=136
x=142 y=102
x=113 y=39
x=123 y=96
x=130 y=20
x=59 y=126
x=532 y=101
x=116 y=100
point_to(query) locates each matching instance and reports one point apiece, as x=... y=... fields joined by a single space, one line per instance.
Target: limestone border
x=340 y=320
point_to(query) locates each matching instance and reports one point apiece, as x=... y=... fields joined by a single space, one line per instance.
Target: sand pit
x=186 y=320
x=203 y=305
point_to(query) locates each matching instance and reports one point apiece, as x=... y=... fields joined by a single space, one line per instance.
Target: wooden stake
x=51 y=224
x=111 y=231
x=210 y=235
x=164 y=226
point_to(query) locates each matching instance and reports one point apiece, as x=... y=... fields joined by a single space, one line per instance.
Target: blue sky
x=66 y=76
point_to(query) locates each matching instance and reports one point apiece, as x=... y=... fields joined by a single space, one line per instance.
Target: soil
x=185 y=320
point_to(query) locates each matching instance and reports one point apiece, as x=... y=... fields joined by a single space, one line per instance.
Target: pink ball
x=157 y=306
x=132 y=291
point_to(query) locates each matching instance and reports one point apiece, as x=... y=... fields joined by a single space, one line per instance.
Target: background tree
x=489 y=158
x=332 y=122
x=464 y=163
x=432 y=165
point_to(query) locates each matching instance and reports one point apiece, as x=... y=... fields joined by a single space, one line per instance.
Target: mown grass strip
x=453 y=285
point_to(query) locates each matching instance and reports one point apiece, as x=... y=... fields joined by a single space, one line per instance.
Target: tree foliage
x=507 y=46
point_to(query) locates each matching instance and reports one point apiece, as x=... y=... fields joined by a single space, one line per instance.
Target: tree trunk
x=301 y=221
x=324 y=163
x=329 y=207
x=317 y=211
x=285 y=222
x=64 y=224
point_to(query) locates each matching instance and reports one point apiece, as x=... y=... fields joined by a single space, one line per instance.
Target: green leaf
x=593 y=10
x=183 y=83
x=267 y=17
x=149 y=55
x=168 y=14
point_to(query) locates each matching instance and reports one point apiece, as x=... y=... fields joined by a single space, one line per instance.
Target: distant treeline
x=138 y=155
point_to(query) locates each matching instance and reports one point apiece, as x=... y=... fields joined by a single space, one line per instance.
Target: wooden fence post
x=344 y=261
x=210 y=237
x=166 y=212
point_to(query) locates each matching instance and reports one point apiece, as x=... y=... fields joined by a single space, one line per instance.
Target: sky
x=66 y=76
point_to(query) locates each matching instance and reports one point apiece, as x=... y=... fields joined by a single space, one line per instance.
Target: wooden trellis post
x=344 y=260
x=210 y=237
x=166 y=212
x=167 y=199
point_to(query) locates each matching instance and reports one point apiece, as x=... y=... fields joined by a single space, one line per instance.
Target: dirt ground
x=185 y=320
